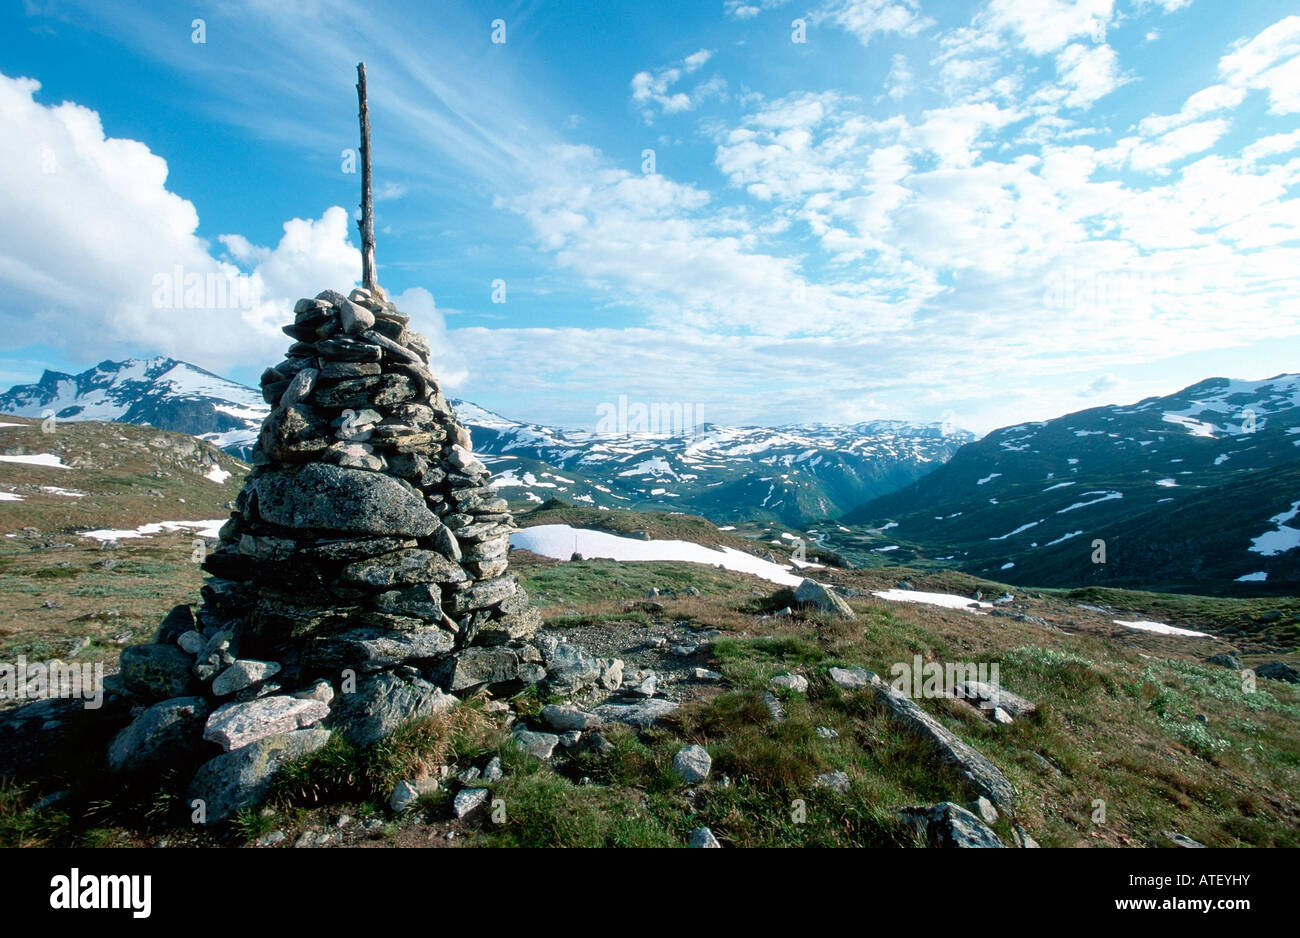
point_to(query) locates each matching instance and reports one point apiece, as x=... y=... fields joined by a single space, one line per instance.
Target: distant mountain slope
x=791 y=474
x=159 y=392
x=1194 y=490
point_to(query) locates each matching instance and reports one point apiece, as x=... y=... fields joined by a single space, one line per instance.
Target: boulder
x=238 y=780
x=325 y=497
x=382 y=703
x=168 y=732
x=157 y=672
x=950 y=825
x=812 y=593
x=981 y=774
x=1278 y=671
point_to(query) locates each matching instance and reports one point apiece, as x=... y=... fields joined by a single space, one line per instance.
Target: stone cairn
x=360 y=582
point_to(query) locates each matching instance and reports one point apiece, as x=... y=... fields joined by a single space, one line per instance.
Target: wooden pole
x=367 y=222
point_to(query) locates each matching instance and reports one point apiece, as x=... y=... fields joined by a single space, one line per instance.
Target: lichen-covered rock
x=167 y=732
x=332 y=498
x=238 y=780
x=157 y=672
x=235 y=725
x=383 y=702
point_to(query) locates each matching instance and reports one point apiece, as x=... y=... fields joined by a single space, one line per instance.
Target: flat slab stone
x=981 y=774
x=327 y=497
x=640 y=713
x=235 y=725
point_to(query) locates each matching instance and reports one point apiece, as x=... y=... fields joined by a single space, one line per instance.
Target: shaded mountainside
x=1194 y=491
x=789 y=474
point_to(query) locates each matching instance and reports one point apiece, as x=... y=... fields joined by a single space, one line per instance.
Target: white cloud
x=748 y=9
x=93 y=241
x=653 y=87
x=866 y=19
x=1206 y=101
x=1270 y=62
x=900 y=80
x=1156 y=155
x=1044 y=26
x=1273 y=145
x=1087 y=74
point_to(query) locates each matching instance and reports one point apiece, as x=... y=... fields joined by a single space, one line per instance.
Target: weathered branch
x=367 y=222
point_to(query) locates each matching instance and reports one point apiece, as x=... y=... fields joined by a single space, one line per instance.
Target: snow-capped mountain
x=1198 y=489
x=791 y=474
x=787 y=474
x=160 y=392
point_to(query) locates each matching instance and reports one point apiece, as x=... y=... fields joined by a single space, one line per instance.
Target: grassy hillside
x=1128 y=718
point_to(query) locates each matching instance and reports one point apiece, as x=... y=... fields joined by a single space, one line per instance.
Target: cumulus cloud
x=1044 y=26
x=1269 y=61
x=866 y=19
x=99 y=257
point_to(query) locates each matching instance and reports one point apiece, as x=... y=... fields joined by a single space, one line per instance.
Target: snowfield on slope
x=1159 y=627
x=38 y=459
x=947 y=600
x=207 y=529
x=561 y=541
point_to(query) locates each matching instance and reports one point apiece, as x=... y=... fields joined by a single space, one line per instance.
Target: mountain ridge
x=791 y=475
x=1027 y=502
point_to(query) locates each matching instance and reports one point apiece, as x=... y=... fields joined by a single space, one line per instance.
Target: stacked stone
x=367 y=553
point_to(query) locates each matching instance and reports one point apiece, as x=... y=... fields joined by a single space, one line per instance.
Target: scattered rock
x=692 y=764
x=469 y=801
x=539 y=745
x=851 y=680
x=703 y=837
x=563 y=719
x=836 y=781
x=641 y=713
x=1181 y=840
x=794 y=682
x=950 y=825
x=982 y=808
x=774 y=707
x=810 y=592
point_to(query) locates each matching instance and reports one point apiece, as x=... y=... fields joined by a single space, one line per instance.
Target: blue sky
x=984 y=212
